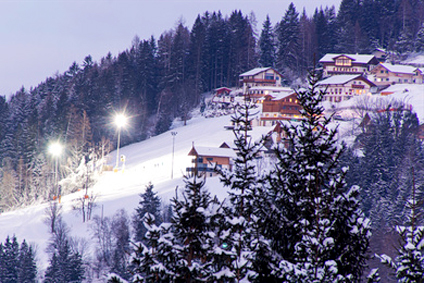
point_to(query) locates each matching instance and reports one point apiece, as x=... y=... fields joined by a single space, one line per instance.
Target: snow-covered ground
x=151 y=161
x=147 y=161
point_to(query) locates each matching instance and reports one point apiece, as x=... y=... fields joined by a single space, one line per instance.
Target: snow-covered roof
x=339 y=79
x=358 y=58
x=213 y=151
x=404 y=69
x=273 y=88
x=255 y=71
x=380 y=49
x=278 y=96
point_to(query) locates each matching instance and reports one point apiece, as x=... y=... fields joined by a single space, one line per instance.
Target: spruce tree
x=419 y=40
x=242 y=183
x=313 y=220
x=267 y=45
x=66 y=265
x=192 y=230
x=27 y=271
x=408 y=265
x=120 y=245
x=149 y=203
x=288 y=56
x=10 y=260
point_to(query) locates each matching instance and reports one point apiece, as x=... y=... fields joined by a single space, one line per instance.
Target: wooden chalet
x=278 y=108
x=352 y=64
x=206 y=158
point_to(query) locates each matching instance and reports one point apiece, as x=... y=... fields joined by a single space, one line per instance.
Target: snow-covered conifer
x=317 y=231
x=192 y=231
x=242 y=183
x=408 y=265
x=9 y=260
x=27 y=270
x=149 y=203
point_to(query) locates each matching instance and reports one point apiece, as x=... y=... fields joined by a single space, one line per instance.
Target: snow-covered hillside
x=150 y=161
x=147 y=161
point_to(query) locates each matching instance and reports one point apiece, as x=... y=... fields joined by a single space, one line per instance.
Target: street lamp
x=120 y=121
x=173 y=146
x=55 y=149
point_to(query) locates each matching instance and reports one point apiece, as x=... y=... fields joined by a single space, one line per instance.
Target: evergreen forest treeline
x=157 y=80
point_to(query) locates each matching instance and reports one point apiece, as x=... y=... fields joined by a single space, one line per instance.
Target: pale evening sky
x=42 y=37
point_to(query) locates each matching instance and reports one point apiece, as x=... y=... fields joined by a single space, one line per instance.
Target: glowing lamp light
x=120 y=120
x=55 y=149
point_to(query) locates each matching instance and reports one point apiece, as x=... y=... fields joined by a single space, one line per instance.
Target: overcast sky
x=42 y=37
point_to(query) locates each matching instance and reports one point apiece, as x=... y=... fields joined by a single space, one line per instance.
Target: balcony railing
x=258 y=81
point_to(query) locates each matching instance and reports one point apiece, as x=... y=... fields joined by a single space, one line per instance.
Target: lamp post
x=55 y=149
x=120 y=121
x=173 y=147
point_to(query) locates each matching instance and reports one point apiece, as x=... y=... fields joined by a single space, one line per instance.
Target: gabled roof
x=256 y=71
x=404 y=69
x=357 y=58
x=212 y=151
x=344 y=79
x=222 y=88
x=272 y=88
x=278 y=96
x=338 y=79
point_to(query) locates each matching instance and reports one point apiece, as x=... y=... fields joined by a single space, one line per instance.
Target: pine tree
x=65 y=264
x=267 y=45
x=345 y=23
x=121 y=244
x=288 y=41
x=185 y=250
x=155 y=260
x=196 y=60
x=243 y=239
x=149 y=203
x=192 y=230
x=419 y=40
x=27 y=271
x=408 y=265
x=313 y=220
x=10 y=260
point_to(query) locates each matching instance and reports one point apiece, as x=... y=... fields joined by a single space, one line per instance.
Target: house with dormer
x=343 y=87
x=260 y=78
x=385 y=74
x=348 y=64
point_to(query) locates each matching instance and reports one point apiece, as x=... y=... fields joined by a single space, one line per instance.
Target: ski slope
x=146 y=161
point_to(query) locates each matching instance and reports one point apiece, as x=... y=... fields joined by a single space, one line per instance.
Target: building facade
x=260 y=77
x=351 y=64
x=279 y=108
x=206 y=158
x=343 y=87
x=387 y=74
